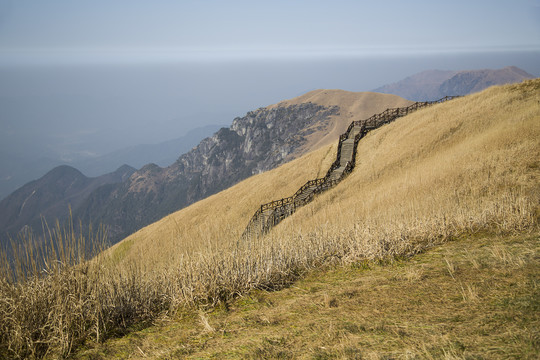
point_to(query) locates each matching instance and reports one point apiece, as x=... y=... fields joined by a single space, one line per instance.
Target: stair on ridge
x=347 y=149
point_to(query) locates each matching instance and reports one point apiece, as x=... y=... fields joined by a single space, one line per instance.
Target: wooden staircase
x=272 y=213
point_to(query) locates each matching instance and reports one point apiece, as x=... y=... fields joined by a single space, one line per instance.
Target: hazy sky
x=82 y=78
x=159 y=30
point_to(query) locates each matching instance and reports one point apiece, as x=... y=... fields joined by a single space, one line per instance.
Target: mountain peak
x=435 y=84
x=518 y=71
x=63 y=171
x=125 y=168
x=52 y=196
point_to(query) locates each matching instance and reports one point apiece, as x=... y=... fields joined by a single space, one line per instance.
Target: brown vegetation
x=458 y=168
x=410 y=308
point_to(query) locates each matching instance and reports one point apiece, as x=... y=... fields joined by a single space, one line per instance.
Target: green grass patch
x=473 y=298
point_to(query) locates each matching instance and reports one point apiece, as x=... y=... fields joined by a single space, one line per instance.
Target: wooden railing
x=270 y=214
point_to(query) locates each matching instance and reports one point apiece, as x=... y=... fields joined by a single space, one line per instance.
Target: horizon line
x=86 y=56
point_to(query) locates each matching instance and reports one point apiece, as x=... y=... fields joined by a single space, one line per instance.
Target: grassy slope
x=467 y=166
x=476 y=297
x=220 y=218
x=196 y=227
x=460 y=162
x=462 y=165
x=462 y=168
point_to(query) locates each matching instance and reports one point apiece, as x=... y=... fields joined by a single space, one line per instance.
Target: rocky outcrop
x=257 y=142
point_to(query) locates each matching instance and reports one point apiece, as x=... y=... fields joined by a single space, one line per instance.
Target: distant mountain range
x=435 y=84
x=162 y=154
x=18 y=170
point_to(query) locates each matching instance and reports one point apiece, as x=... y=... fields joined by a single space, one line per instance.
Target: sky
x=66 y=31
x=82 y=78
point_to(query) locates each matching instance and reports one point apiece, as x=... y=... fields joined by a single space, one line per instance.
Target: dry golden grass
x=457 y=168
x=353 y=106
x=465 y=165
x=218 y=220
x=460 y=166
x=375 y=311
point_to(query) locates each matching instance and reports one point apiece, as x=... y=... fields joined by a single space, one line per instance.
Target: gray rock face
x=257 y=142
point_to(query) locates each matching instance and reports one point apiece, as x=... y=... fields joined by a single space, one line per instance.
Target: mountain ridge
x=471 y=128
x=51 y=197
x=357 y=104
x=21 y=169
x=259 y=141
x=430 y=85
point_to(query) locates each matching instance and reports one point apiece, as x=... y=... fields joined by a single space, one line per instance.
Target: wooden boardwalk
x=272 y=213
